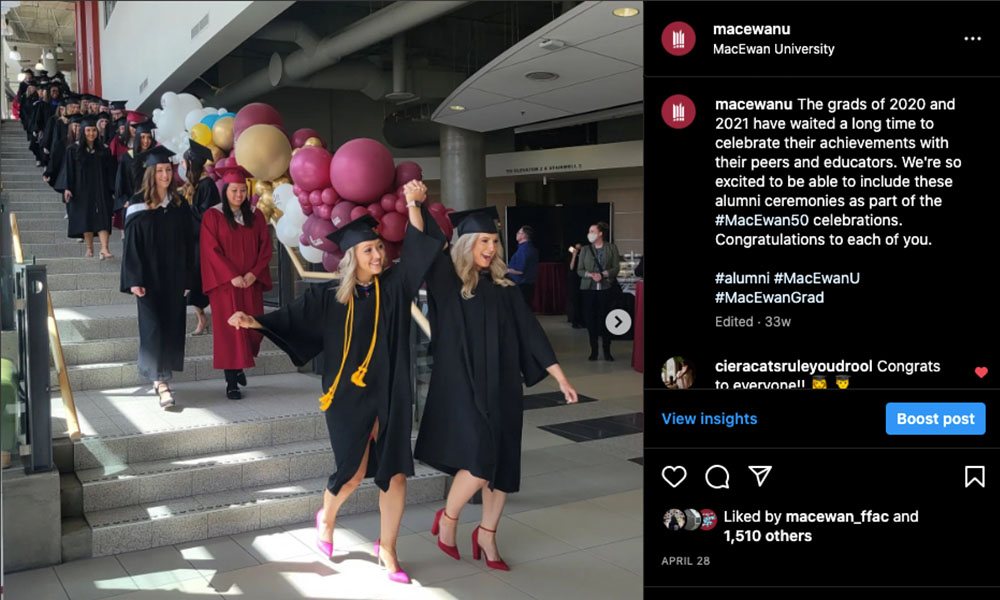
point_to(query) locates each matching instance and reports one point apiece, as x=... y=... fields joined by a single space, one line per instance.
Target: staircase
x=142 y=477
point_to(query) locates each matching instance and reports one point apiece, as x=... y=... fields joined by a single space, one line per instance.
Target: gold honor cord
x=358 y=378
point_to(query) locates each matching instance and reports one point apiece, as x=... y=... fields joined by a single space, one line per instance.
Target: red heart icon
x=982 y=371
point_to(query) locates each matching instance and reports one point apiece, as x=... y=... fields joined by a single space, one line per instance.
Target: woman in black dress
x=485 y=341
x=201 y=194
x=362 y=330
x=90 y=176
x=157 y=267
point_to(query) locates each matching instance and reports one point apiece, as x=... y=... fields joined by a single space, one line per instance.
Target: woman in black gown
x=201 y=194
x=485 y=340
x=90 y=175
x=157 y=267
x=362 y=330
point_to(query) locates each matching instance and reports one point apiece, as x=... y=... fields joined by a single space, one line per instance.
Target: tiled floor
x=573 y=531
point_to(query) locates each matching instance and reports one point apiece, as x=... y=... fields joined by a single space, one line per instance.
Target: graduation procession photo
x=327 y=299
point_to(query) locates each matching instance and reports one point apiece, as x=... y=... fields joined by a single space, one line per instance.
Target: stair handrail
x=55 y=343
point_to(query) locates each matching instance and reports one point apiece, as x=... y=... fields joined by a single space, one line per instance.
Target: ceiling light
x=49 y=55
x=14 y=54
x=59 y=49
x=21 y=77
x=541 y=76
x=39 y=66
x=625 y=12
x=456 y=107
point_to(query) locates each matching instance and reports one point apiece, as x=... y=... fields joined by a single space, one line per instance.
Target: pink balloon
x=376 y=211
x=254 y=200
x=301 y=135
x=407 y=172
x=329 y=196
x=310 y=168
x=297 y=190
x=331 y=260
x=256 y=113
x=341 y=214
x=393 y=227
x=319 y=231
x=388 y=202
x=303 y=240
x=401 y=206
x=316 y=198
x=362 y=170
x=358 y=212
x=307 y=210
x=324 y=211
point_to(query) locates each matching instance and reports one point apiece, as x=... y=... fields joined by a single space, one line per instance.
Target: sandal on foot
x=166 y=395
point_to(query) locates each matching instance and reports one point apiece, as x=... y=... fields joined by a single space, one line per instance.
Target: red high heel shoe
x=500 y=565
x=451 y=551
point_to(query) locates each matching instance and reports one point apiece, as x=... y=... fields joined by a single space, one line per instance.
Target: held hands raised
x=415 y=191
x=241 y=320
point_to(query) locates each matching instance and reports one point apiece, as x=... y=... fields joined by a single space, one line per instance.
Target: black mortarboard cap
x=198 y=152
x=42 y=73
x=118 y=105
x=88 y=121
x=76 y=118
x=359 y=230
x=479 y=220
x=71 y=99
x=146 y=126
x=103 y=101
x=43 y=82
x=155 y=156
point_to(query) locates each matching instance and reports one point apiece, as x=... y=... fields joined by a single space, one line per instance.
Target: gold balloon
x=265 y=204
x=222 y=133
x=314 y=141
x=217 y=153
x=265 y=152
x=278 y=213
x=295 y=150
x=263 y=187
x=282 y=180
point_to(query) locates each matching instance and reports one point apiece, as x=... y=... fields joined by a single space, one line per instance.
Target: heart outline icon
x=663 y=474
x=982 y=371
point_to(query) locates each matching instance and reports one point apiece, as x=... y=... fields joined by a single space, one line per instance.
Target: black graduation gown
x=49 y=136
x=57 y=156
x=27 y=114
x=206 y=195
x=314 y=324
x=125 y=181
x=89 y=175
x=481 y=347
x=158 y=254
x=39 y=119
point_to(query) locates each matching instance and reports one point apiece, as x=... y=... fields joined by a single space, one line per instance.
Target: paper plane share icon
x=760 y=472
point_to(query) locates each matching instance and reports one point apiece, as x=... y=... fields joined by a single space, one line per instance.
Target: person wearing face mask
x=362 y=329
x=157 y=268
x=89 y=172
x=235 y=272
x=598 y=266
x=486 y=341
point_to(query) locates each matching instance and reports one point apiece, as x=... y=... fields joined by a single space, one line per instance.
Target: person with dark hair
x=201 y=194
x=487 y=345
x=89 y=172
x=27 y=108
x=55 y=172
x=523 y=266
x=47 y=112
x=598 y=267
x=235 y=271
x=130 y=172
x=55 y=130
x=574 y=310
x=117 y=112
x=157 y=267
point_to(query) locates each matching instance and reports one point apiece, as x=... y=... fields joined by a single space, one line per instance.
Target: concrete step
x=91 y=297
x=69 y=248
x=87 y=323
x=84 y=281
x=205 y=516
x=80 y=265
x=42 y=222
x=48 y=203
x=40 y=195
x=99 y=376
x=155 y=481
x=127 y=348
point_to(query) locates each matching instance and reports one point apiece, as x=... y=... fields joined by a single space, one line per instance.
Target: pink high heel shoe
x=399 y=576
x=325 y=547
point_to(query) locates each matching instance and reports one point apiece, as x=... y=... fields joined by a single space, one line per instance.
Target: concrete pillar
x=463 y=168
x=50 y=64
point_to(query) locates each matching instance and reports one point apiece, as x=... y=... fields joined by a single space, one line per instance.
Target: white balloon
x=157 y=112
x=186 y=103
x=288 y=234
x=192 y=118
x=313 y=255
x=294 y=215
x=167 y=98
x=282 y=194
x=221 y=111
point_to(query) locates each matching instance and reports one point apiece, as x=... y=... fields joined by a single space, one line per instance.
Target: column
x=463 y=168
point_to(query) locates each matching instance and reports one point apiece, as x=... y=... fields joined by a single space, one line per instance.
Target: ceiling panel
x=514 y=112
x=624 y=45
x=623 y=88
x=572 y=65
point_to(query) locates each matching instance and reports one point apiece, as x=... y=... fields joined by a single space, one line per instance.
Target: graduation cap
x=120 y=122
x=199 y=153
x=76 y=118
x=145 y=127
x=118 y=105
x=70 y=99
x=59 y=75
x=88 y=121
x=232 y=174
x=43 y=82
x=362 y=229
x=103 y=102
x=43 y=73
x=157 y=155
x=479 y=220
x=135 y=116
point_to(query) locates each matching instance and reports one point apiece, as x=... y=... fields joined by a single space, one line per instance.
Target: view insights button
x=935 y=418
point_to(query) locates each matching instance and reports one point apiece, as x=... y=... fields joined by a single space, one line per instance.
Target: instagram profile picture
x=678 y=373
x=708 y=519
x=678 y=38
x=678 y=111
x=674 y=519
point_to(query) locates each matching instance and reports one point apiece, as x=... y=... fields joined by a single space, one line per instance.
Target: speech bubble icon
x=721 y=477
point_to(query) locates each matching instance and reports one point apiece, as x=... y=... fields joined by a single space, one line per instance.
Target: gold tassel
x=358 y=378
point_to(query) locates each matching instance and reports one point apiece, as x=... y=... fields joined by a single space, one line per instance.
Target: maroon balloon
x=324 y=211
x=310 y=168
x=407 y=172
x=329 y=196
x=318 y=233
x=331 y=260
x=362 y=170
x=392 y=251
x=297 y=190
x=401 y=206
x=393 y=227
x=254 y=200
x=444 y=223
x=303 y=240
x=341 y=214
x=301 y=135
x=316 y=198
x=358 y=212
x=436 y=207
x=376 y=211
x=307 y=210
x=388 y=202
x=309 y=224
x=256 y=113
